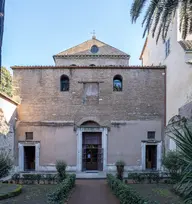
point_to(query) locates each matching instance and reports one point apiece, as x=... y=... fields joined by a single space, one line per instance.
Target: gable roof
x=85 y=49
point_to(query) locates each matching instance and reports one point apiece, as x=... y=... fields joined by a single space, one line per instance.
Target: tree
x=160 y=13
x=181 y=132
x=6 y=82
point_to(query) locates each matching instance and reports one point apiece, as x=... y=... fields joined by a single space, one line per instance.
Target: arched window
x=73 y=65
x=64 y=83
x=117 y=83
x=92 y=65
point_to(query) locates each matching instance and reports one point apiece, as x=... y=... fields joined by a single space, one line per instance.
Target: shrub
x=16 y=178
x=120 y=169
x=145 y=177
x=5 y=164
x=124 y=192
x=61 y=169
x=61 y=193
x=172 y=162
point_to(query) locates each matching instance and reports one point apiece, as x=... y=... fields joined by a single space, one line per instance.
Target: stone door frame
x=21 y=146
x=143 y=153
x=79 y=133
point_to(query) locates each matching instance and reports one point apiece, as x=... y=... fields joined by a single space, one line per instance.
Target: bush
x=5 y=164
x=61 y=169
x=172 y=162
x=61 y=193
x=148 y=177
x=120 y=169
x=124 y=192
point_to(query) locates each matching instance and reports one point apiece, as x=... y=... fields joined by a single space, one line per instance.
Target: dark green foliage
x=181 y=133
x=160 y=13
x=124 y=192
x=120 y=169
x=35 y=178
x=61 y=169
x=172 y=162
x=5 y=164
x=6 y=82
x=16 y=178
x=149 y=177
x=61 y=193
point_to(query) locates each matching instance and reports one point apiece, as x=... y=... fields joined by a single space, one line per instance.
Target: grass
x=158 y=192
x=31 y=194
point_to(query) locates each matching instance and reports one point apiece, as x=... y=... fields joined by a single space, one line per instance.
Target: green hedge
x=62 y=191
x=13 y=193
x=124 y=192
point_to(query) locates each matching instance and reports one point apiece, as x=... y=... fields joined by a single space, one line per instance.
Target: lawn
x=31 y=194
x=157 y=192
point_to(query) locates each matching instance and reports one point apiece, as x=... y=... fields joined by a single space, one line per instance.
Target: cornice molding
x=92 y=56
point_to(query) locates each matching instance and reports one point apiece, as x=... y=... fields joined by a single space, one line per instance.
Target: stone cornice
x=47 y=123
x=88 y=67
x=92 y=56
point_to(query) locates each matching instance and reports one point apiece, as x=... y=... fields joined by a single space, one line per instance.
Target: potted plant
x=120 y=169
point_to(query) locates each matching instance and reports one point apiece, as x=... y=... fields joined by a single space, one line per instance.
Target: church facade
x=91 y=109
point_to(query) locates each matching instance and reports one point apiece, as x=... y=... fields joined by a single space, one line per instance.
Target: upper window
x=64 y=83
x=92 y=65
x=29 y=135
x=94 y=49
x=118 y=83
x=151 y=135
x=73 y=65
x=167 y=47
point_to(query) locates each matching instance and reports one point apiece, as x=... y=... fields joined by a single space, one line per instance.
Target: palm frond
x=148 y=18
x=182 y=135
x=136 y=9
x=160 y=13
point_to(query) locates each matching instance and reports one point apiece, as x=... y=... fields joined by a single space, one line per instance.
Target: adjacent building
x=8 y=117
x=176 y=54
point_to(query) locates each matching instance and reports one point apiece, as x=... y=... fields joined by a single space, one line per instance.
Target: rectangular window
x=29 y=136
x=167 y=47
x=151 y=135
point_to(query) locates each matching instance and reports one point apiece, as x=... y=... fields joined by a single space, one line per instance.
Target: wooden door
x=92 y=153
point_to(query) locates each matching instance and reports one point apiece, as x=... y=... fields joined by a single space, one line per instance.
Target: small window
x=29 y=136
x=73 y=65
x=151 y=135
x=117 y=83
x=92 y=65
x=94 y=49
x=64 y=83
x=167 y=47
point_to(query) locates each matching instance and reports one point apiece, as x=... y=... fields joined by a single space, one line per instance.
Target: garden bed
x=9 y=190
x=31 y=194
x=161 y=193
x=153 y=193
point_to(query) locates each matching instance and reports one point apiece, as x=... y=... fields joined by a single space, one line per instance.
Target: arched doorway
x=92 y=151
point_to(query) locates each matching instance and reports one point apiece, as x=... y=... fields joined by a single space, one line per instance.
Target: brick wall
x=142 y=97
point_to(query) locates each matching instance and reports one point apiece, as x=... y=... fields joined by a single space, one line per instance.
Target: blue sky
x=35 y=30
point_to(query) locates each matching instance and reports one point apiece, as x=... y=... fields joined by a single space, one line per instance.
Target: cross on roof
x=93 y=33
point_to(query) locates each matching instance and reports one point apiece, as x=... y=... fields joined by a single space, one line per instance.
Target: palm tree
x=160 y=13
x=181 y=133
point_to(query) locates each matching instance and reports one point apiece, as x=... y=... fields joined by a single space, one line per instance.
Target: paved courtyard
x=92 y=192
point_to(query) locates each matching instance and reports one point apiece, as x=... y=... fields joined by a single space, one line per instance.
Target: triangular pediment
x=85 y=48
